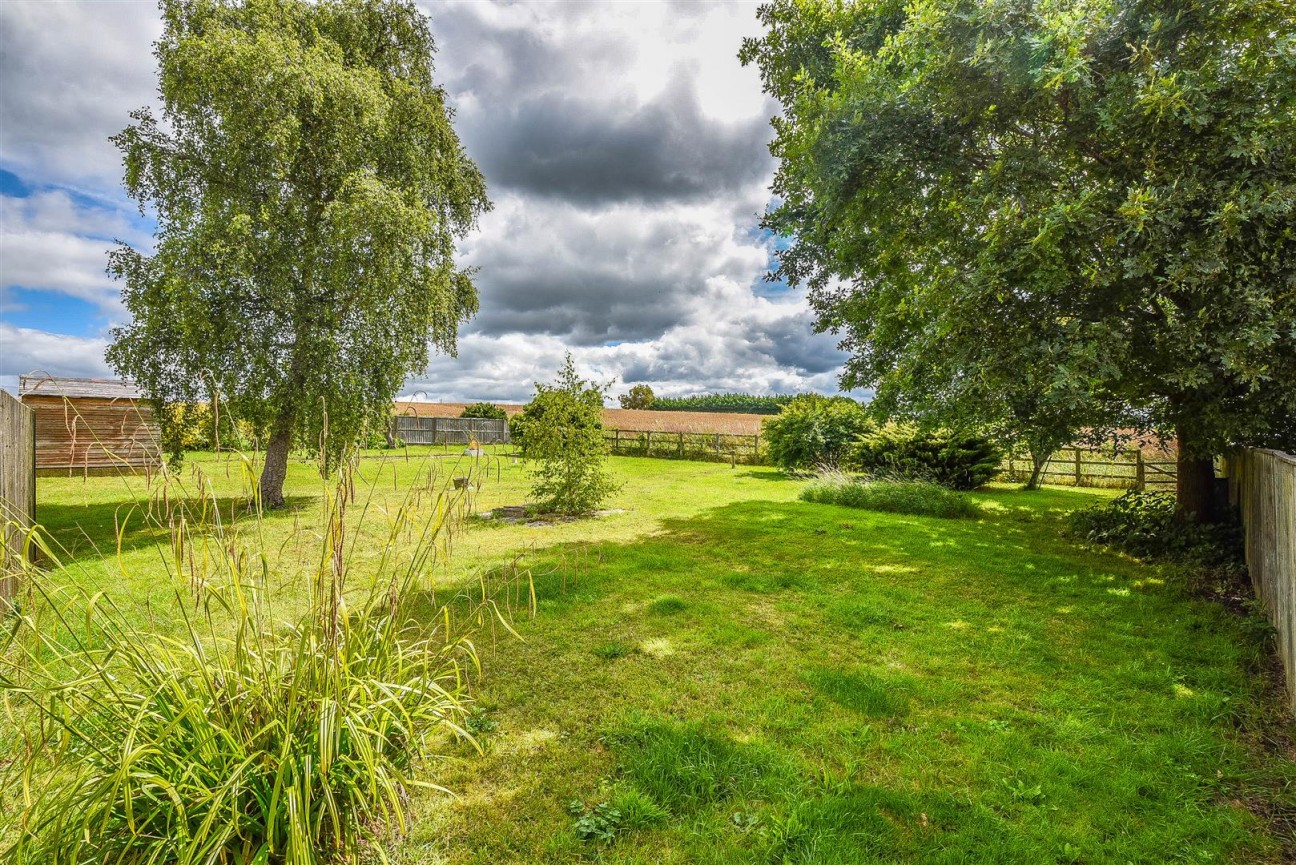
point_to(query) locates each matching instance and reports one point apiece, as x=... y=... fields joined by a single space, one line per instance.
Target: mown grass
x=739 y=676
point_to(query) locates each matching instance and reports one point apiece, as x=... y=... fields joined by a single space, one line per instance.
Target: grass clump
x=250 y=736
x=667 y=605
x=919 y=498
x=683 y=767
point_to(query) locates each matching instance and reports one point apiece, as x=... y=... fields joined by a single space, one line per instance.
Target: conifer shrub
x=959 y=461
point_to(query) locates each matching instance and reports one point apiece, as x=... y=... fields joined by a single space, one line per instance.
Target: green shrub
x=1143 y=524
x=920 y=498
x=563 y=435
x=486 y=410
x=245 y=739
x=957 y=461
x=813 y=431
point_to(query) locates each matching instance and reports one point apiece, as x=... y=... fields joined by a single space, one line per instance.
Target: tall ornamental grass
x=919 y=498
x=248 y=737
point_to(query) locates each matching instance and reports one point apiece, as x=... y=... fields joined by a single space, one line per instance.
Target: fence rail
x=1086 y=467
x=1262 y=483
x=710 y=447
x=17 y=487
x=415 y=430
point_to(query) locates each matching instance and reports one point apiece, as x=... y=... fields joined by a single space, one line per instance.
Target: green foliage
x=919 y=498
x=193 y=427
x=246 y=738
x=309 y=190
x=960 y=462
x=1145 y=524
x=486 y=410
x=562 y=435
x=640 y=396
x=736 y=403
x=813 y=431
x=1046 y=214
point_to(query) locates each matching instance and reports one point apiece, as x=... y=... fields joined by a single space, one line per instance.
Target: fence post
x=1139 y=479
x=648 y=446
x=681 y=445
x=616 y=440
x=1077 y=466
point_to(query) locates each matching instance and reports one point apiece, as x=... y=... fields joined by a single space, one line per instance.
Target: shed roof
x=95 y=388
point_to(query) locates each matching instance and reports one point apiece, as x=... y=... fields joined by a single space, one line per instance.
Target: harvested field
x=622 y=418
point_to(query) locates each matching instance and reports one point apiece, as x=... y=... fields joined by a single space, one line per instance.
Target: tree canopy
x=309 y=189
x=1071 y=207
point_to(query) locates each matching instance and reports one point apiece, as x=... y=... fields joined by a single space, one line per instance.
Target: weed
x=667 y=605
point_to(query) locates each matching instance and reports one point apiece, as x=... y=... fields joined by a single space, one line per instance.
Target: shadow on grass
x=80 y=528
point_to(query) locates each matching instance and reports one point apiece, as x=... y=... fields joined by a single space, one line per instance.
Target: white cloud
x=23 y=350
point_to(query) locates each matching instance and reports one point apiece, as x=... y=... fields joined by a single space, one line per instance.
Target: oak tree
x=1099 y=195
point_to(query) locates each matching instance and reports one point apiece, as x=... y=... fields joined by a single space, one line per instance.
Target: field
x=717 y=672
x=622 y=418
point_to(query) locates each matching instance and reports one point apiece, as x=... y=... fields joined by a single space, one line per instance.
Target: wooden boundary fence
x=17 y=486
x=709 y=447
x=1086 y=467
x=449 y=430
x=1262 y=483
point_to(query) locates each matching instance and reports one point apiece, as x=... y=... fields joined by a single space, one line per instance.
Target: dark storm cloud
x=538 y=122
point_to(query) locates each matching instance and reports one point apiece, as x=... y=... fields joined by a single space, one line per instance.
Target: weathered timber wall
x=415 y=430
x=88 y=435
x=1262 y=483
x=17 y=488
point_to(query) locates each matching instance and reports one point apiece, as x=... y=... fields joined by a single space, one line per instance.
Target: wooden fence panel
x=17 y=486
x=702 y=446
x=1086 y=467
x=415 y=430
x=1262 y=483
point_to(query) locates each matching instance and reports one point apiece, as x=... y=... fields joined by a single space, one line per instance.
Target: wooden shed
x=90 y=425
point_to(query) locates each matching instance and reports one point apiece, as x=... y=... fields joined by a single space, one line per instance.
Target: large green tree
x=309 y=189
x=1098 y=194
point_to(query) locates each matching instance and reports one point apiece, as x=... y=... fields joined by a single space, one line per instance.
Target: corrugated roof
x=95 y=388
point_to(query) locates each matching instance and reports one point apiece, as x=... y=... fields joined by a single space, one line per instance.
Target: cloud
x=53 y=241
x=73 y=72
x=540 y=113
x=23 y=350
x=622 y=143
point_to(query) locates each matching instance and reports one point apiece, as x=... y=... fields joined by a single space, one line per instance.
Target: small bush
x=1143 y=524
x=920 y=498
x=563 y=434
x=486 y=410
x=813 y=431
x=960 y=462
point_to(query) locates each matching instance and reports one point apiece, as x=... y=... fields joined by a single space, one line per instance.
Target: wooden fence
x=1262 y=483
x=1086 y=467
x=709 y=447
x=449 y=430
x=17 y=487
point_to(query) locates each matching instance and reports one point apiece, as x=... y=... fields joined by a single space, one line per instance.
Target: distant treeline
x=737 y=403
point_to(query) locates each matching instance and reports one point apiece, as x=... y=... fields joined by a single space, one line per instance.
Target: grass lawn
x=718 y=672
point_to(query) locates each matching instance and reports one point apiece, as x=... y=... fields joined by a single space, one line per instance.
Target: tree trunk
x=1038 y=461
x=1194 y=484
x=276 y=464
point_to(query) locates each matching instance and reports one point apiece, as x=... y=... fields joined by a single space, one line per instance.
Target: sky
x=624 y=148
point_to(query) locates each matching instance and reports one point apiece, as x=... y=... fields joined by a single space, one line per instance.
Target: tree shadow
x=80 y=529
